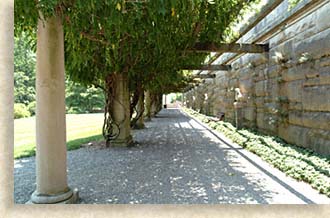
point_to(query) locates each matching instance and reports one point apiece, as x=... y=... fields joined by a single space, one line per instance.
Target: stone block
x=320 y=78
x=283 y=89
x=316 y=46
x=219 y=74
x=274 y=71
x=254 y=59
x=324 y=61
x=260 y=88
x=233 y=83
x=260 y=120
x=316 y=98
x=246 y=86
x=323 y=18
x=259 y=101
x=244 y=74
x=249 y=113
x=320 y=141
x=316 y=120
x=272 y=108
x=315 y=139
x=295 y=106
x=293 y=74
x=285 y=49
x=259 y=74
x=294 y=90
x=294 y=134
x=272 y=88
x=267 y=122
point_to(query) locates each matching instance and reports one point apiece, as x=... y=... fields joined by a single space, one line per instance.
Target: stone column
x=6 y=104
x=121 y=110
x=51 y=151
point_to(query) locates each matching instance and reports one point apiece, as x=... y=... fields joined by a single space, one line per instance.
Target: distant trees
x=24 y=68
x=79 y=98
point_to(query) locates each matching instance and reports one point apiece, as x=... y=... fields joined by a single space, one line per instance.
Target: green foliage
x=297 y=162
x=82 y=99
x=21 y=111
x=148 y=40
x=293 y=3
x=32 y=107
x=24 y=69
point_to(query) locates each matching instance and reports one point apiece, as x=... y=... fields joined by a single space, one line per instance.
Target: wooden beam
x=204 y=76
x=252 y=22
x=282 y=20
x=209 y=67
x=231 y=48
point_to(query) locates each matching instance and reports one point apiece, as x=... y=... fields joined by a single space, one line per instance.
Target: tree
x=79 y=98
x=122 y=41
x=24 y=69
x=82 y=99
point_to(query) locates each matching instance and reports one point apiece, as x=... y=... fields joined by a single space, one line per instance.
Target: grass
x=81 y=128
x=300 y=163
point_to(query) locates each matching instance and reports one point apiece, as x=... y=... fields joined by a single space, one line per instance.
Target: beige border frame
x=9 y=209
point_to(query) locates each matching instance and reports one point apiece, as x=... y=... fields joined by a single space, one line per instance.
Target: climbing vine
x=148 y=40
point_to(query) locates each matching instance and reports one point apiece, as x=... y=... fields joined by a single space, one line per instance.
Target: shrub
x=32 y=108
x=20 y=111
x=300 y=163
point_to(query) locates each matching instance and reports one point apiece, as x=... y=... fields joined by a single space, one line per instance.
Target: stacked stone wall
x=284 y=92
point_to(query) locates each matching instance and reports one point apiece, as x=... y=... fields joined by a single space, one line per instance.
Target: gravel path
x=178 y=160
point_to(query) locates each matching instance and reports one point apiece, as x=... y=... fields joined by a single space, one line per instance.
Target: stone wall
x=285 y=92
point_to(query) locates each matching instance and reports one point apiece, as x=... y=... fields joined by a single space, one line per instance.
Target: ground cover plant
x=297 y=162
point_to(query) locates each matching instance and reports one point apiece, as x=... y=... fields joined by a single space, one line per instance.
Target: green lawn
x=81 y=128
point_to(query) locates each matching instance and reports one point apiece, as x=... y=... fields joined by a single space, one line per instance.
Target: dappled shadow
x=259 y=167
x=176 y=161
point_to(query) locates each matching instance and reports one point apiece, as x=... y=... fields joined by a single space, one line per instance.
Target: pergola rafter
x=265 y=10
x=231 y=48
x=205 y=76
x=219 y=67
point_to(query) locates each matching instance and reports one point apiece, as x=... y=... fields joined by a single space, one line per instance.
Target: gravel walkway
x=178 y=160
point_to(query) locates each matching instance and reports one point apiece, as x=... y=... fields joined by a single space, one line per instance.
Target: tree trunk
x=156 y=104
x=153 y=107
x=148 y=105
x=140 y=110
x=160 y=102
x=117 y=130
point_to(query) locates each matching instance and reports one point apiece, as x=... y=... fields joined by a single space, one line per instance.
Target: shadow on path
x=177 y=161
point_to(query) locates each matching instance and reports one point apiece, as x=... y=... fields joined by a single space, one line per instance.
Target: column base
x=69 y=197
x=122 y=142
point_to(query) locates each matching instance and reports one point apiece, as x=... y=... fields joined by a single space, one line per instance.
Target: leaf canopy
x=147 y=39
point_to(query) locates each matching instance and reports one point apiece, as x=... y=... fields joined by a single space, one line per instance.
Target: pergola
x=51 y=153
x=52 y=186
